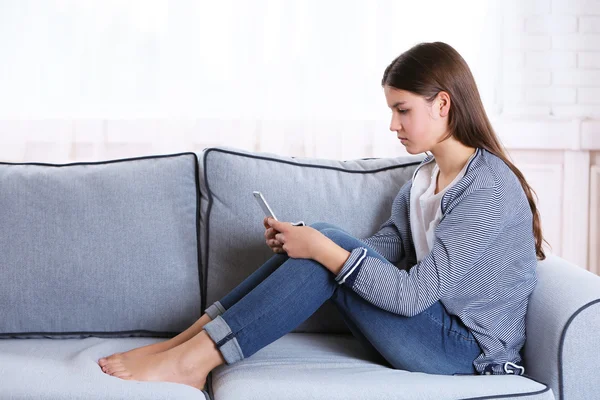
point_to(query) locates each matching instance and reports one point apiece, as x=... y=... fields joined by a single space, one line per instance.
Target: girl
x=441 y=288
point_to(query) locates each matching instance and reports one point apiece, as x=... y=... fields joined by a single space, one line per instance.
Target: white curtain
x=292 y=76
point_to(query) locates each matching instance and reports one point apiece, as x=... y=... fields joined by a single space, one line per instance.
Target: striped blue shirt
x=482 y=266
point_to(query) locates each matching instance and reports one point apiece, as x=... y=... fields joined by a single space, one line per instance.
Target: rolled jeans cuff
x=221 y=334
x=215 y=310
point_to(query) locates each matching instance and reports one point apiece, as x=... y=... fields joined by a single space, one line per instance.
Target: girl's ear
x=443 y=104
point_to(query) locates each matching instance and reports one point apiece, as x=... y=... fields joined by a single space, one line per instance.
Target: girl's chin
x=412 y=151
x=411 y=147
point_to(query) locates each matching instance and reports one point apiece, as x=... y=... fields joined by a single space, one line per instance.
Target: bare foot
x=158 y=347
x=166 y=366
x=188 y=363
x=139 y=352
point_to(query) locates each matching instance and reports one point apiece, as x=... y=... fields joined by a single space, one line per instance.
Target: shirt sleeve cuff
x=351 y=266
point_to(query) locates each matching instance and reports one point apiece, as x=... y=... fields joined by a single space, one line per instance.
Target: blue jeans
x=285 y=291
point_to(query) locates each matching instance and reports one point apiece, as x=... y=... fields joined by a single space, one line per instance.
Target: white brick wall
x=550 y=72
x=589 y=95
x=551 y=59
x=550 y=99
x=542 y=60
x=575 y=7
x=550 y=23
x=551 y=95
x=588 y=60
x=589 y=24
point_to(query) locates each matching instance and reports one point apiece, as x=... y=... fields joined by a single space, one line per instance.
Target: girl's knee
x=347 y=241
x=339 y=236
x=323 y=225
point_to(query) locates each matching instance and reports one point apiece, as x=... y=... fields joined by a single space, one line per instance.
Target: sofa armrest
x=563 y=330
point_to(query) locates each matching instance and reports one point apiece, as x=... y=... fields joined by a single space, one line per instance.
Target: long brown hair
x=430 y=68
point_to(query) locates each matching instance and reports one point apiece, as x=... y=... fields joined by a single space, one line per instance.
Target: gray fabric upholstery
x=105 y=249
x=86 y=249
x=355 y=195
x=563 y=321
x=46 y=369
x=308 y=366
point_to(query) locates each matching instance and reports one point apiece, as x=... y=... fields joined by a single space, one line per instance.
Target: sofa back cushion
x=99 y=249
x=355 y=195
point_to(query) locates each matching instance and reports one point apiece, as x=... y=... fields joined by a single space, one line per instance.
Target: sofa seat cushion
x=327 y=366
x=66 y=369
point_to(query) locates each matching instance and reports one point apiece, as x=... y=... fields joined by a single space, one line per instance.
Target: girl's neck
x=451 y=156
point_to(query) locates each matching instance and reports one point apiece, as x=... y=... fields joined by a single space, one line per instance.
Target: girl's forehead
x=394 y=95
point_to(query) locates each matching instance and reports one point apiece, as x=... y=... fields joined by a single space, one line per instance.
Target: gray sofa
x=97 y=258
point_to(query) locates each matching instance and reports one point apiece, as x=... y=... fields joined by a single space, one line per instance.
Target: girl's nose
x=395 y=125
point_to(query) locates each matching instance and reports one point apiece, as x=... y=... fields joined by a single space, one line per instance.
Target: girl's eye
x=402 y=111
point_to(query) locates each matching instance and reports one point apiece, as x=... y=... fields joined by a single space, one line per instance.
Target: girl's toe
x=122 y=375
x=119 y=374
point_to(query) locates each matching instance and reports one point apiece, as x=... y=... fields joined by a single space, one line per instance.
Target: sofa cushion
x=105 y=249
x=355 y=195
x=315 y=366
x=46 y=369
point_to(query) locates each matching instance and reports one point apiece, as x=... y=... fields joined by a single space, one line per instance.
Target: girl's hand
x=296 y=241
x=270 y=233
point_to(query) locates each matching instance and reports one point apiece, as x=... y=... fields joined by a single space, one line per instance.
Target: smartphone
x=260 y=199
